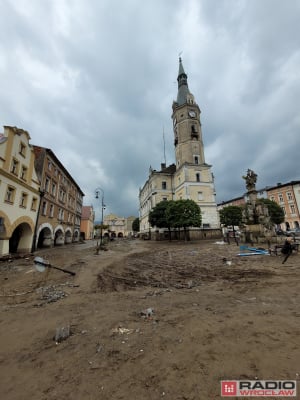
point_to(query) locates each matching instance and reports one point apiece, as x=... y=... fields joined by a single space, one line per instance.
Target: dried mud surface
x=146 y=320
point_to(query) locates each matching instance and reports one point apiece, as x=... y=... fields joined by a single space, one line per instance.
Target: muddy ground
x=146 y=320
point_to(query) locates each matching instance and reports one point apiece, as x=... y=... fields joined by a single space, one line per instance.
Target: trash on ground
x=148 y=313
x=252 y=251
x=62 y=333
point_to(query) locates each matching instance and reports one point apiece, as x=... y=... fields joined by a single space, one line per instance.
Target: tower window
x=164 y=185
x=200 y=195
x=194 y=133
x=198 y=177
x=196 y=159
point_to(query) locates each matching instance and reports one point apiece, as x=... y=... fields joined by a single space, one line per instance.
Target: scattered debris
x=252 y=251
x=62 y=333
x=122 y=330
x=51 y=293
x=148 y=313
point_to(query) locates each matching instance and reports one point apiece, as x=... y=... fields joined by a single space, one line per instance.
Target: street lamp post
x=102 y=209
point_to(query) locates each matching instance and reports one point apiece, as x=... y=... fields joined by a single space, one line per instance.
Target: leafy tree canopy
x=157 y=216
x=276 y=213
x=231 y=215
x=136 y=225
x=183 y=213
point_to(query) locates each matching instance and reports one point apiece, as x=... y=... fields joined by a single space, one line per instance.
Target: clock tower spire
x=186 y=124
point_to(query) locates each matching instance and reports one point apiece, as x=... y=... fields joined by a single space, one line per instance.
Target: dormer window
x=196 y=159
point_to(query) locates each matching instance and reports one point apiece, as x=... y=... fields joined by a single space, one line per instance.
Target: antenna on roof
x=164 y=145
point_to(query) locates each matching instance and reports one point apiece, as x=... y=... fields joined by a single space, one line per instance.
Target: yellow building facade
x=19 y=192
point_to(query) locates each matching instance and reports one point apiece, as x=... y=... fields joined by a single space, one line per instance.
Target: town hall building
x=190 y=177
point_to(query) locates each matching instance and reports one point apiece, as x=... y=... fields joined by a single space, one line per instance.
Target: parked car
x=293 y=232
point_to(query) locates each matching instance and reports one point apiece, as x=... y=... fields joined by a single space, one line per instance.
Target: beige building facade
x=19 y=192
x=87 y=223
x=190 y=177
x=120 y=227
x=61 y=201
x=287 y=195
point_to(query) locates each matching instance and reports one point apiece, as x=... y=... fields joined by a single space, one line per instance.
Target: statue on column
x=250 y=179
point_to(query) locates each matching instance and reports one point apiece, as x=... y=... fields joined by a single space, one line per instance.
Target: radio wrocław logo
x=258 y=388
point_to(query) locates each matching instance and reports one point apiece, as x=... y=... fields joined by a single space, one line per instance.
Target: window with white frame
x=280 y=197
x=200 y=195
x=15 y=166
x=44 y=208
x=292 y=208
x=53 y=189
x=22 y=149
x=289 y=196
x=47 y=184
x=34 y=204
x=23 y=199
x=10 y=194
x=23 y=173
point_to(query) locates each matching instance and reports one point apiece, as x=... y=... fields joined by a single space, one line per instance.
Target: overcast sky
x=94 y=80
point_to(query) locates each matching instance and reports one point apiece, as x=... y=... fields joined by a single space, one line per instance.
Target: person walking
x=287 y=249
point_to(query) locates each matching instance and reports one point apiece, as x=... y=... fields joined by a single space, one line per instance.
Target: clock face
x=192 y=114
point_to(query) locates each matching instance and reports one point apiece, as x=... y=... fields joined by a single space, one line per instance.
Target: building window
x=272 y=198
x=280 y=197
x=15 y=166
x=194 y=133
x=165 y=198
x=10 y=194
x=197 y=177
x=164 y=185
x=34 y=204
x=289 y=196
x=44 y=208
x=49 y=165
x=196 y=159
x=51 y=210
x=200 y=195
x=22 y=149
x=292 y=208
x=53 y=190
x=283 y=209
x=23 y=172
x=47 y=184
x=23 y=200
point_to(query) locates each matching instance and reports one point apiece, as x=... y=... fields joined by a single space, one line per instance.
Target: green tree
x=157 y=216
x=182 y=214
x=136 y=225
x=276 y=213
x=231 y=215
